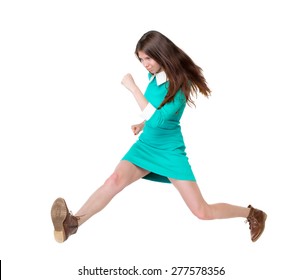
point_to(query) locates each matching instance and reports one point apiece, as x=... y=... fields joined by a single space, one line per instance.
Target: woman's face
x=151 y=65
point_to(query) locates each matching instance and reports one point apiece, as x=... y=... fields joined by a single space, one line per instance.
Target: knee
x=203 y=213
x=114 y=182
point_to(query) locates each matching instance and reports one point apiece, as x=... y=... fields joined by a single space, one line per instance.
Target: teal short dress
x=160 y=148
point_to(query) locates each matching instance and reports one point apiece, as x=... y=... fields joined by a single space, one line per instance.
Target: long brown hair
x=181 y=71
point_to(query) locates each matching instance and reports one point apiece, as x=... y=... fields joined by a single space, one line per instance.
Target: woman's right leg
x=124 y=174
x=66 y=224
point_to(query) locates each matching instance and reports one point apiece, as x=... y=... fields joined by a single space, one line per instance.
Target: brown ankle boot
x=256 y=221
x=65 y=224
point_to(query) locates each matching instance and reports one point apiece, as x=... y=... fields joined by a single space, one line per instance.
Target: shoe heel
x=59 y=236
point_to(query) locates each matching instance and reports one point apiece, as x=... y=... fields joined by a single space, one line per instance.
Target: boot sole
x=264 y=219
x=59 y=212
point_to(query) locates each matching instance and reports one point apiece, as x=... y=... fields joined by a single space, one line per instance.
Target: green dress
x=160 y=148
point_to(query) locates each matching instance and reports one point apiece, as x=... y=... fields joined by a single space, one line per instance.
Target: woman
x=159 y=154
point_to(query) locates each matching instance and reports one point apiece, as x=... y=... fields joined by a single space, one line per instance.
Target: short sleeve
x=147 y=113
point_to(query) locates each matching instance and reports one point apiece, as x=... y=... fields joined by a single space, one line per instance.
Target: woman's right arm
x=130 y=84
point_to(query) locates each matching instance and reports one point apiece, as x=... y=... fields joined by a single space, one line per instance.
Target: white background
x=65 y=123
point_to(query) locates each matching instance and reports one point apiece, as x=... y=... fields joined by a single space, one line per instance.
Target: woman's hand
x=129 y=82
x=137 y=128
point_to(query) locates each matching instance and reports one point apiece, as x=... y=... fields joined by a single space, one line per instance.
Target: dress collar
x=161 y=78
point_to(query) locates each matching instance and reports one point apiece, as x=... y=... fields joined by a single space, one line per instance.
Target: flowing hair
x=181 y=71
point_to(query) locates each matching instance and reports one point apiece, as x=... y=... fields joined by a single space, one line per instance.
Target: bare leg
x=124 y=174
x=193 y=198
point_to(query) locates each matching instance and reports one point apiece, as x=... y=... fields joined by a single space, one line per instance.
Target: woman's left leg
x=193 y=198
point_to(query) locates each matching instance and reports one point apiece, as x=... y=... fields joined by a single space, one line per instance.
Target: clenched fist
x=129 y=82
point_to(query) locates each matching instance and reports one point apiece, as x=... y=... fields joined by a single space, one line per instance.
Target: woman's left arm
x=157 y=117
x=130 y=84
x=137 y=128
